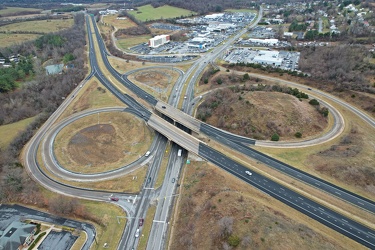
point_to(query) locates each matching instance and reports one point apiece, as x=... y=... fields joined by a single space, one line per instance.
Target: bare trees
x=343 y=65
x=225 y=226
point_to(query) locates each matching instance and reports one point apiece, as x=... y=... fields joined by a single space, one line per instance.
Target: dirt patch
x=261 y=114
x=88 y=147
x=95 y=145
x=216 y=210
x=158 y=80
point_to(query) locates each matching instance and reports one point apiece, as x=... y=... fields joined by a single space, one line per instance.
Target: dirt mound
x=261 y=114
x=95 y=145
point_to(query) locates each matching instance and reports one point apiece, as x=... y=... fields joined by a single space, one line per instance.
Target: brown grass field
x=43 y=26
x=7 y=11
x=7 y=40
x=118 y=23
x=207 y=194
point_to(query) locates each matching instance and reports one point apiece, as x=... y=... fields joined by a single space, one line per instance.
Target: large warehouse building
x=158 y=40
x=268 y=57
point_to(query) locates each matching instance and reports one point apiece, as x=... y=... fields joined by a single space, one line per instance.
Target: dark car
x=141 y=220
x=114 y=199
x=163 y=107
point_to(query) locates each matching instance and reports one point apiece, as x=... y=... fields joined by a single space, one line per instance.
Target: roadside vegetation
x=217 y=211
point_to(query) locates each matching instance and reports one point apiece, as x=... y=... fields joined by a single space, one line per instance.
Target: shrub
x=275 y=137
x=36 y=241
x=234 y=240
x=298 y=134
x=314 y=102
x=205 y=80
x=219 y=81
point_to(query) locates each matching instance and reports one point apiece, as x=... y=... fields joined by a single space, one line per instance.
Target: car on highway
x=248 y=173
x=141 y=220
x=114 y=199
x=137 y=233
x=147 y=153
x=173 y=180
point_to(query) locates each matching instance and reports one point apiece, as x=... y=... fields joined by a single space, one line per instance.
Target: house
x=16 y=235
x=54 y=69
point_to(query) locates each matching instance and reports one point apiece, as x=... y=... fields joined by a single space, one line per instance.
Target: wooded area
x=38 y=97
x=346 y=66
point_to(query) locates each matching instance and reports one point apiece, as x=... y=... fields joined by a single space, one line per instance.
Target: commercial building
x=16 y=235
x=158 y=40
x=269 y=58
x=269 y=42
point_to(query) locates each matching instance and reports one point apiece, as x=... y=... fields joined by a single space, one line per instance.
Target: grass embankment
x=163 y=167
x=148 y=13
x=258 y=221
x=78 y=244
x=10 y=131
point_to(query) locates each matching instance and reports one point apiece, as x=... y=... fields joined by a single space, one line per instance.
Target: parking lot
x=58 y=240
x=202 y=33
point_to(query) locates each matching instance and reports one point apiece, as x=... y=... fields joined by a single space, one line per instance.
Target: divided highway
x=328 y=217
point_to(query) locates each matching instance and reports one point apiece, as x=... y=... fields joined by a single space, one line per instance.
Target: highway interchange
x=165 y=194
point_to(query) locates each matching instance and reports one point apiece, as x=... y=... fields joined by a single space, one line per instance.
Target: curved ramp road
x=54 y=167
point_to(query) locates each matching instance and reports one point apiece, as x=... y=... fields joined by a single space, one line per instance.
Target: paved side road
x=9 y=213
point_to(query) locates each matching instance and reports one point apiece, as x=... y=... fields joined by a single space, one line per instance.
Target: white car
x=248 y=173
x=137 y=233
